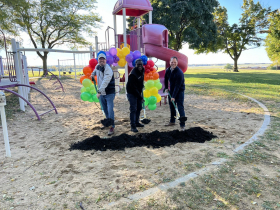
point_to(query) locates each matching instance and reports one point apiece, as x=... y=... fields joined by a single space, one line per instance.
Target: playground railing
x=7 y=66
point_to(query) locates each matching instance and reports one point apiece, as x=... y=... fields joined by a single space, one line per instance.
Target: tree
x=228 y=66
x=51 y=23
x=187 y=21
x=234 y=39
x=7 y=25
x=272 y=41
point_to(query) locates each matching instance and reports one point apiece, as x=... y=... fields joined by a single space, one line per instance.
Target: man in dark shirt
x=134 y=89
x=175 y=76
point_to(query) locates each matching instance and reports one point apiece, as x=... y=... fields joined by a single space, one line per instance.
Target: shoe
x=134 y=130
x=111 y=131
x=170 y=124
x=103 y=127
x=182 y=128
x=139 y=125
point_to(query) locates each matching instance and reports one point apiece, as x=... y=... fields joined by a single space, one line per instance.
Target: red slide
x=155 y=40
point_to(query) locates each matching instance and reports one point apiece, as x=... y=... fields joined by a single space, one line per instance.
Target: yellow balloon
x=125 y=51
x=122 y=62
x=146 y=93
x=154 y=91
x=118 y=51
x=158 y=98
x=121 y=55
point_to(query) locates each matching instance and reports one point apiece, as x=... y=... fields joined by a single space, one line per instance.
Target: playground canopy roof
x=134 y=8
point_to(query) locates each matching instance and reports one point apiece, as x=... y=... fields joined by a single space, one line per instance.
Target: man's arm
x=108 y=73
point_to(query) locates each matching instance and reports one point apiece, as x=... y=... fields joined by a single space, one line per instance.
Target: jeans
x=107 y=102
x=179 y=102
x=135 y=109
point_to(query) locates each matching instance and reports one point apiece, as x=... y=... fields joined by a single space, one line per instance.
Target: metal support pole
x=138 y=34
x=124 y=27
x=116 y=34
x=75 y=66
x=96 y=45
x=1 y=66
x=4 y=124
x=91 y=52
x=125 y=43
x=18 y=73
x=150 y=17
x=26 y=76
x=59 y=70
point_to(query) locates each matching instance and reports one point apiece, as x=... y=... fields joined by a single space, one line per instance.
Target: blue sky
x=105 y=8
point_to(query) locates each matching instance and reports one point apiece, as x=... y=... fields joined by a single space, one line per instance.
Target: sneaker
x=133 y=129
x=139 y=125
x=170 y=124
x=111 y=131
x=182 y=128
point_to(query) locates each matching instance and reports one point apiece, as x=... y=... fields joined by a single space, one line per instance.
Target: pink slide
x=155 y=40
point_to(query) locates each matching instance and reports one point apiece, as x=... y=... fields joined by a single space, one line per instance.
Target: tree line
x=202 y=24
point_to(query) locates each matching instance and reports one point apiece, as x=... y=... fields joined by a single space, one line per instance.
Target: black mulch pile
x=155 y=139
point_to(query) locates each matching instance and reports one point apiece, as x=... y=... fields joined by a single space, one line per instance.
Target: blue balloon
x=144 y=58
x=133 y=62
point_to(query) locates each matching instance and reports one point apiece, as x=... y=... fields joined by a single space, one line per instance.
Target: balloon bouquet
x=152 y=86
x=88 y=91
x=119 y=57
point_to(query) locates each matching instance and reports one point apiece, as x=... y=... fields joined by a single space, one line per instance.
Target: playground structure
x=150 y=39
x=16 y=66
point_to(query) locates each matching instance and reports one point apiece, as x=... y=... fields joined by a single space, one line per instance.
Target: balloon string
x=97 y=106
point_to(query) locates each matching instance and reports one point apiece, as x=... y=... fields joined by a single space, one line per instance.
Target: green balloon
x=158 y=85
x=92 y=92
x=95 y=99
x=149 y=84
x=156 y=81
x=85 y=96
x=92 y=87
x=152 y=106
x=90 y=99
x=152 y=100
x=88 y=89
x=83 y=89
x=146 y=101
x=146 y=88
x=87 y=83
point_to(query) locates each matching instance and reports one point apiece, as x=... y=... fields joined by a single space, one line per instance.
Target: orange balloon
x=150 y=76
x=153 y=69
x=82 y=78
x=87 y=70
x=145 y=77
x=155 y=76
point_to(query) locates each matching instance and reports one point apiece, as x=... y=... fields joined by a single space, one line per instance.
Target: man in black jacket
x=175 y=76
x=134 y=89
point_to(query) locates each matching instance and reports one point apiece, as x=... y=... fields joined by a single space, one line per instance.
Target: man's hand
x=98 y=95
x=173 y=99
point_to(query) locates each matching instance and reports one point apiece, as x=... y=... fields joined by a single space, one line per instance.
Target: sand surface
x=44 y=174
